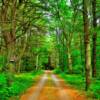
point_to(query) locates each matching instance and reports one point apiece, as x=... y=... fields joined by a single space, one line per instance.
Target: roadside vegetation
x=17 y=85
x=77 y=81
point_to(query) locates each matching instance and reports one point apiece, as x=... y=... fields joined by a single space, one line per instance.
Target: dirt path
x=50 y=87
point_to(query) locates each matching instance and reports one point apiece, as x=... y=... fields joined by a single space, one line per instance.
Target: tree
x=8 y=27
x=94 y=38
x=87 y=44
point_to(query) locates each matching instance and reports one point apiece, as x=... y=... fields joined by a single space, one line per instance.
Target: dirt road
x=50 y=87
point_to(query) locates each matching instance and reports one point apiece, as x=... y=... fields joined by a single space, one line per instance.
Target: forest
x=52 y=42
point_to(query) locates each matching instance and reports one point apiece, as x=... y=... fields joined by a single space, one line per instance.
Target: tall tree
x=94 y=38
x=8 y=27
x=87 y=44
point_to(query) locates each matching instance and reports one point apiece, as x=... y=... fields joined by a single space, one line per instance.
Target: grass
x=77 y=81
x=20 y=82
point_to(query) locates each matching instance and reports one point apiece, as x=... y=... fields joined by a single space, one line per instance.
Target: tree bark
x=69 y=60
x=87 y=45
x=37 y=61
x=8 y=32
x=94 y=39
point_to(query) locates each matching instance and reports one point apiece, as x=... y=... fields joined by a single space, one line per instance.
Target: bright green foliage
x=47 y=33
x=19 y=84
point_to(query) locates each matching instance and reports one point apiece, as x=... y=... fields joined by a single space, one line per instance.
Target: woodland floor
x=51 y=87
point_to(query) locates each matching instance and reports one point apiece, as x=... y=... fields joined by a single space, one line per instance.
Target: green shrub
x=95 y=89
x=19 y=83
x=78 y=69
x=3 y=80
x=2 y=62
x=27 y=63
x=57 y=71
x=19 y=86
x=3 y=87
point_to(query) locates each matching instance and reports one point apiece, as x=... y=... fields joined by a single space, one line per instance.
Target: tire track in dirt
x=51 y=87
x=33 y=92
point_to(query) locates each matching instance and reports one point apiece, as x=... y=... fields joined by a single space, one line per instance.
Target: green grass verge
x=20 y=83
x=78 y=82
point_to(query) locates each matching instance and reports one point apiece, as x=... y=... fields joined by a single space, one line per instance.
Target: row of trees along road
x=65 y=31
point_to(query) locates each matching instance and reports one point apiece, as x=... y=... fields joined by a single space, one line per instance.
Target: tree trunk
x=94 y=39
x=7 y=32
x=37 y=61
x=87 y=45
x=69 y=60
x=22 y=51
